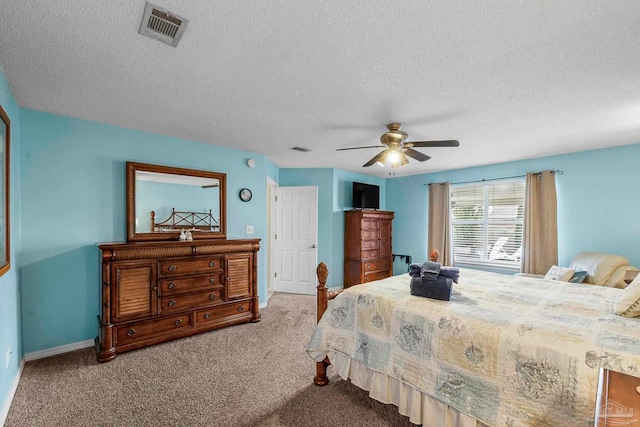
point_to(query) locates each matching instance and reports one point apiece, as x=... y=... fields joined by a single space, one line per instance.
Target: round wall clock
x=245 y=194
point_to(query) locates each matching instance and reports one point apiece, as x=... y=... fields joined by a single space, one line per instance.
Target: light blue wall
x=10 y=334
x=73 y=190
x=334 y=197
x=598 y=202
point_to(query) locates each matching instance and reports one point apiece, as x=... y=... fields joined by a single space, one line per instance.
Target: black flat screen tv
x=366 y=196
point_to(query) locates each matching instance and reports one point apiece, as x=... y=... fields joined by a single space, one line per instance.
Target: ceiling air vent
x=300 y=149
x=162 y=25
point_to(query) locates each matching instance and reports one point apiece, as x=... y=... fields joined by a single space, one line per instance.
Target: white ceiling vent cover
x=162 y=25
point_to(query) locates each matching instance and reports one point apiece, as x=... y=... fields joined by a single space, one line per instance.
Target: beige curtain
x=440 y=222
x=540 y=237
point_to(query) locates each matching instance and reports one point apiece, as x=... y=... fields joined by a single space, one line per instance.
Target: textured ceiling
x=508 y=79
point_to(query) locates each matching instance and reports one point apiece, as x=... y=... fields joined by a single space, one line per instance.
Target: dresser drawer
x=142 y=330
x=370 y=234
x=372 y=253
x=377 y=264
x=170 y=304
x=214 y=314
x=369 y=224
x=179 y=285
x=370 y=244
x=370 y=277
x=172 y=267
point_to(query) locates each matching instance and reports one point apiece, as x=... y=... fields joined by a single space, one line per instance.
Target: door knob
x=312 y=246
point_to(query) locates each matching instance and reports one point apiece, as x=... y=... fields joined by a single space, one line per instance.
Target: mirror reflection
x=167 y=203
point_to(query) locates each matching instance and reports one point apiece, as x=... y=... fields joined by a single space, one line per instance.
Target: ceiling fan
x=398 y=148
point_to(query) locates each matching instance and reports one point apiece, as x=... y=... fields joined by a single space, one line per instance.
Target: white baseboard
x=12 y=392
x=58 y=350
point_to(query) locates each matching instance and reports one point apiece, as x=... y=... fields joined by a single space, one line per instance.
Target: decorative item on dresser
x=367 y=246
x=160 y=291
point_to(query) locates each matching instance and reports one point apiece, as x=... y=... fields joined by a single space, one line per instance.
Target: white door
x=296 y=239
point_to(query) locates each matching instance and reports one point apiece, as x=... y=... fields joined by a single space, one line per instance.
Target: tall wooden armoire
x=367 y=246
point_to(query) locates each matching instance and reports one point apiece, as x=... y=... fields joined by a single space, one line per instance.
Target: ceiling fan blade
x=357 y=148
x=380 y=157
x=416 y=155
x=448 y=143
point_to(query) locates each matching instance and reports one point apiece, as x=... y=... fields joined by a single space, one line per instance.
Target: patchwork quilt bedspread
x=507 y=350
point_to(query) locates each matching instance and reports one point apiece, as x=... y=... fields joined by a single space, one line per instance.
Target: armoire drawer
x=173 y=303
x=370 y=244
x=142 y=330
x=370 y=277
x=172 y=267
x=370 y=224
x=213 y=314
x=370 y=234
x=371 y=253
x=189 y=283
x=377 y=264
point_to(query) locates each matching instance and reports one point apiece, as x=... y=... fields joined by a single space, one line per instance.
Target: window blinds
x=487 y=221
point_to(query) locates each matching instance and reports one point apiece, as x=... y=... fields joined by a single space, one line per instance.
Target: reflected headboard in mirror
x=162 y=201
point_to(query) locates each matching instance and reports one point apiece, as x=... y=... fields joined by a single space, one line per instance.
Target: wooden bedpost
x=323 y=272
x=321 y=303
x=153 y=221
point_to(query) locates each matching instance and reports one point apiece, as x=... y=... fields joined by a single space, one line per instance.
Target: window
x=487 y=223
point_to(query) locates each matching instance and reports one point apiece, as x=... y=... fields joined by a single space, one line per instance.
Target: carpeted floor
x=257 y=374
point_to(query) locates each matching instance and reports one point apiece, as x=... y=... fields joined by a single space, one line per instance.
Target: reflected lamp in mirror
x=5 y=253
x=164 y=201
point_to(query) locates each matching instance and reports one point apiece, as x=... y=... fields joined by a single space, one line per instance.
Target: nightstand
x=618 y=400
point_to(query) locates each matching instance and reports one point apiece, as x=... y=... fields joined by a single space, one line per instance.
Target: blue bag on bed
x=439 y=288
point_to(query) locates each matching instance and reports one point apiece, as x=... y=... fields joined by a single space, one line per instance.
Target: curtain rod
x=553 y=172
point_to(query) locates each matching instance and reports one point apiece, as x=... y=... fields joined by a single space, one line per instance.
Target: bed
x=504 y=351
x=184 y=220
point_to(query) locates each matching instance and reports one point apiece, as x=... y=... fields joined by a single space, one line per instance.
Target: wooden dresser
x=367 y=246
x=159 y=291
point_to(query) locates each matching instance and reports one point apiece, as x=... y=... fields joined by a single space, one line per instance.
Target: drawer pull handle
x=207 y=316
x=172 y=267
x=241 y=308
x=131 y=332
x=172 y=303
x=172 y=285
x=178 y=322
x=212 y=296
x=212 y=280
x=211 y=264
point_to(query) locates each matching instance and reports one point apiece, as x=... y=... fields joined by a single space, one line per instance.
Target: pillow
x=578 y=277
x=599 y=266
x=562 y=274
x=628 y=303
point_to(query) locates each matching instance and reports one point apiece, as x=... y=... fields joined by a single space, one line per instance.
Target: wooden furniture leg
x=322 y=301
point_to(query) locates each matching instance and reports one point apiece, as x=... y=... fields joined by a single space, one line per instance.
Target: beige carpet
x=257 y=374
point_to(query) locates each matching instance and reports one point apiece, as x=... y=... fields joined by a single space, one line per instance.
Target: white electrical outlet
x=7 y=358
x=249 y=229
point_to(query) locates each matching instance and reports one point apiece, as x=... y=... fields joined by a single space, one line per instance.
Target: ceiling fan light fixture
x=383 y=159
x=403 y=159
x=393 y=156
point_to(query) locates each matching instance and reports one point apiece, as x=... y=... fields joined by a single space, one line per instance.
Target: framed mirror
x=167 y=203
x=5 y=254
